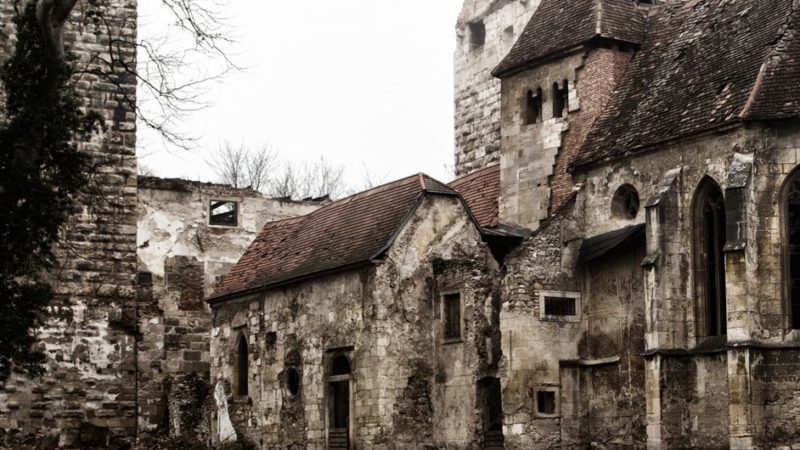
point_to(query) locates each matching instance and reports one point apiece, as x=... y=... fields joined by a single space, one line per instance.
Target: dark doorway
x=792 y=220
x=339 y=403
x=490 y=400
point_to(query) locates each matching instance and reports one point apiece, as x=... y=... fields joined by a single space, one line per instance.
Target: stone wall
x=408 y=388
x=183 y=257
x=89 y=388
x=477 y=92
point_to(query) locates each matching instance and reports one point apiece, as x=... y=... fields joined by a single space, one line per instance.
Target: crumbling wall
x=477 y=92
x=88 y=392
x=381 y=318
x=186 y=256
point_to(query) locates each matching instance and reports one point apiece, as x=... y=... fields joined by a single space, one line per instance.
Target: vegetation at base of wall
x=41 y=170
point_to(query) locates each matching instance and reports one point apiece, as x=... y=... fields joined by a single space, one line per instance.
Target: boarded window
x=241 y=367
x=560 y=99
x=452 y=316
x=224 y=213
x=546 y=402
x=709 y=225
x=792 y=233
x=533 y=106
x=559 y=306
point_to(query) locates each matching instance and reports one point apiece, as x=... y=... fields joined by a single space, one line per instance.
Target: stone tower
x=87 y=396
x=486 y=31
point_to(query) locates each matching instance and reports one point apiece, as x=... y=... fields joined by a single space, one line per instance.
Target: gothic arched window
x=241 y=366
x=791 y=224
x=709 y=259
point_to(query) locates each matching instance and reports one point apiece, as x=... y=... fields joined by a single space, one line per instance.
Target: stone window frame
x=786 y=267
x=443 y=316
x=625 y=193
x=699 y=271
x=477 y=34
x=328 y=363
x=532 y=100
x=556 y=390
x=238 y=204
x=542 y=294
x=241 y=335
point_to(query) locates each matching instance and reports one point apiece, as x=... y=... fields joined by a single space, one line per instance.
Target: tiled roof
x=345 y=233
x=700 y=68
x=481 y=191
x=559 y=25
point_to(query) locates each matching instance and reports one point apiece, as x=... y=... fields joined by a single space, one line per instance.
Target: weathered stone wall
x=535 y=156
x=409 y=389
x=184 y=257
x=477 y=93
x=89 y=387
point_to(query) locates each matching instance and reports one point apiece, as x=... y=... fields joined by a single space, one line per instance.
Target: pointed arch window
x=791 y=233
x=242 y=368
x=709 y=259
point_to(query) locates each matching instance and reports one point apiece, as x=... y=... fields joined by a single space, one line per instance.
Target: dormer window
x=477 y=34
x=560 y=99
x=533 y=106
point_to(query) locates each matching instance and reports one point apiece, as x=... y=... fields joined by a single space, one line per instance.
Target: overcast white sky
x=359 y=81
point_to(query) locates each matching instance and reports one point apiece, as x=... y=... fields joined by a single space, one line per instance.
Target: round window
x=292 y=381
x=625 y=204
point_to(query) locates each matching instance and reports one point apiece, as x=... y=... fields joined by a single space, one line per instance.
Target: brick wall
x=89 y=388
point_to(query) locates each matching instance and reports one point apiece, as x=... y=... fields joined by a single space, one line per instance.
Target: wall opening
x=339 y=399
x=242 y=364
x=452 y=316
x=292 y=381
x=223 y=213
x=709 y=259
x=533 y=106
x=477 y=34
x=560 y=99
x=625 y=204
x=491 y=407
x=791 y=214
x=546 y=403
x=559 y=306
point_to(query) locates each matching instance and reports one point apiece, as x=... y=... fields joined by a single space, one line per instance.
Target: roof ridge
x=598 y=24
x=422 y=181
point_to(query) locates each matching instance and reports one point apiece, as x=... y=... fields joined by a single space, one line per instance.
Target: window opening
x=533 y=106
x=792 y=220
x=546 y=402
x=452 y=316
x=241 y=367
x=710 y=260
x=477 y=34
x=340 y=366
x=292 y=381
x=559 y=306
x=625 y=204
x=270 y=339
x=560 y=99
x=223 y=213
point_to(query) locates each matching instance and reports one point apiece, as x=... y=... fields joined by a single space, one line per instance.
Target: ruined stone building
x=616 y=269
x=616 y=266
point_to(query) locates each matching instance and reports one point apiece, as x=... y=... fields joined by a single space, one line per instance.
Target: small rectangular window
x=533 y=106
x=477 y=34
x=224 y=213
x=560 y=99
x=559 y=306
x=546 y=402
x=452 y=316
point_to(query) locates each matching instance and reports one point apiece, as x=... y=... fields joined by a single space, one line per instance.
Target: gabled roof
x=704 y=64
x=481 y=191
x=346 y=233
x=559 y=25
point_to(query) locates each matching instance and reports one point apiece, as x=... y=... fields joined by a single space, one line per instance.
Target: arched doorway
x=339 y=400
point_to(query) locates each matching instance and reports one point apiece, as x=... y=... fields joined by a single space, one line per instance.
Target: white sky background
x=361 y=82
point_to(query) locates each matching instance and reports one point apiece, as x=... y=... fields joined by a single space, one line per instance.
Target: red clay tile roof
x=559 y=25
x=700 y=68
x=481 y=191
x=348 y=232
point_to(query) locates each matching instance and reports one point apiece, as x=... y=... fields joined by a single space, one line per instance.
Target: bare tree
x=169 y=89
x=241 y=167
x=309 y=180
